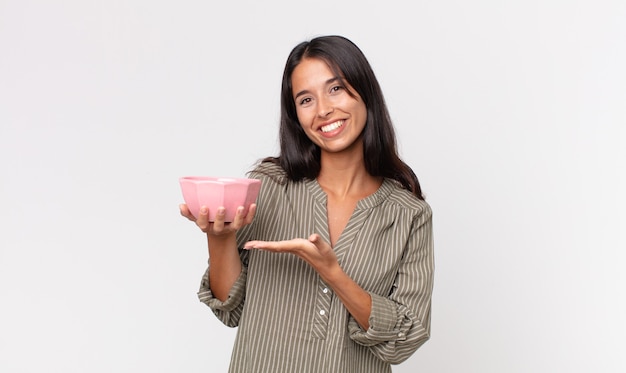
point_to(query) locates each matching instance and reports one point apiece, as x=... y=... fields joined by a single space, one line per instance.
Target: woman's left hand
x=321 y=256
x=314 y=250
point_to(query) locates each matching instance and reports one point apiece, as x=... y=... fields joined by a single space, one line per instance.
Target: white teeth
x=332 y=126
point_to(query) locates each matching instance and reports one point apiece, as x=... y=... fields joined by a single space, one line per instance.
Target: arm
x=357 y=301
x=224 y=262
x=391 y=325
x=222 y=245
x=322 y=258
x=400 y=321
x=227 y=272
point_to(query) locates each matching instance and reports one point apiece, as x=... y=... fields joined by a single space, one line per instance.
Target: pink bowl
x=214 y=192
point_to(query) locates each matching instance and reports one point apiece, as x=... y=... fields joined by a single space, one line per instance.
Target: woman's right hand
x=219 y=227
x=226 y=264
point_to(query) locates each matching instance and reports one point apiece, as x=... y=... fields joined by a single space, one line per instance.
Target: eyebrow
x=303 y=92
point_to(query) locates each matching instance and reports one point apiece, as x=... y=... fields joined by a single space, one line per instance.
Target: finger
x=250 y=245
x=184 y=211
x=218 y=224
x=238 y=220
x=203 y=218
x=292 y=246
x=276 y=246
x=260 y=245
x=319 y=243
x=250 y=214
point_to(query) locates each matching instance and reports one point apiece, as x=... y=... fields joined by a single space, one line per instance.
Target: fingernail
x=204 y=210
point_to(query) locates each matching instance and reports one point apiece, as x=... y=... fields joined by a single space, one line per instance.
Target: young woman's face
x=331 y=117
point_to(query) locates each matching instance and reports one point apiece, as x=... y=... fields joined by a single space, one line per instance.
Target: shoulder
x=405 y=200
x=269 y=171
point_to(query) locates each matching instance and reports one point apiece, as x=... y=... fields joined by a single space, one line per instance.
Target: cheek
x=304 y=116
x=361 y=112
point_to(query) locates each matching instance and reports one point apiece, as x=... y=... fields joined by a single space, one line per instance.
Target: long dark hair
x=300 y=157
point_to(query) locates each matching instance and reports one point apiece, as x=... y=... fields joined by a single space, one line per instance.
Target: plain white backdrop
x=512 y=114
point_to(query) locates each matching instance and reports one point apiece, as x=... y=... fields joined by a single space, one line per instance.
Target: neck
x=344 y=175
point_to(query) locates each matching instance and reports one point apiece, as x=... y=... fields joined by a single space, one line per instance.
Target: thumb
x=319 y=242
x=314 y=238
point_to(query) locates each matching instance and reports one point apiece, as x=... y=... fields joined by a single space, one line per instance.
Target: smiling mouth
x=331 y=127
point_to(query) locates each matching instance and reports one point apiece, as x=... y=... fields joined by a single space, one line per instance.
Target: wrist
x=222 y=236
x=335 y=276
x=224 y=240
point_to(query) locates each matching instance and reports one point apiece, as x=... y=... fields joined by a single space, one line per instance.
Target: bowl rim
x=218 y=179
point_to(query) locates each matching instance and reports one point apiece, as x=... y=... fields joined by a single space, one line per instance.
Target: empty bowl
x=214 y=192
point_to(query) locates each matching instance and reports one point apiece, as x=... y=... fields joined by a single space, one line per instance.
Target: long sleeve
x=287 y=318
x=400 y=322
x=228 y=311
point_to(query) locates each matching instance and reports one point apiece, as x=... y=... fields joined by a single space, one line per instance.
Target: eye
x=305 y=101
x=335 y=88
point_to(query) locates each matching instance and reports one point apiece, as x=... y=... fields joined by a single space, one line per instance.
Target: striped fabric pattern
x=289 y=320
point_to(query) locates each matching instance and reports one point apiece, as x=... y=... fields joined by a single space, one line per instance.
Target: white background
x=512 y=114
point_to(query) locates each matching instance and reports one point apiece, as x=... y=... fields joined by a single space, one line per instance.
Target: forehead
x=311 y=71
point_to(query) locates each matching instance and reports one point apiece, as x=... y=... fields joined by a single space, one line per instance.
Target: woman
x=332 y=269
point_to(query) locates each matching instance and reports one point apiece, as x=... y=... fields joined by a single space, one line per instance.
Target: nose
x=325 y=108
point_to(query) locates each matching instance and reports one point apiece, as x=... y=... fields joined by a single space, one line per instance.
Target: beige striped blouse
x=289 y=320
